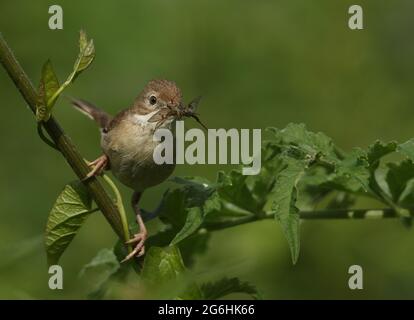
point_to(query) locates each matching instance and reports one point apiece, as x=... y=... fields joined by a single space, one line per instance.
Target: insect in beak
x=179 y=111
x=189 y=111
x=194 y=104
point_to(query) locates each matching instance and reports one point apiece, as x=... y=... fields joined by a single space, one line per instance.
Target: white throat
x=142 y=119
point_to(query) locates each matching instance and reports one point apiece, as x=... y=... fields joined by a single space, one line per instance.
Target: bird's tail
x=101 y=117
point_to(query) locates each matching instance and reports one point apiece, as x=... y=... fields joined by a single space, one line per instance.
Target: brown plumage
x=101 y=117
x=128 y=145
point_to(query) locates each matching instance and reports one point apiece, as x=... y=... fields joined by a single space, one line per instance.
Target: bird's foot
x=139 y=249
x=98 y=165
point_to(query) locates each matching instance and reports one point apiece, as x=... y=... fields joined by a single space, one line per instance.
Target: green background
x=257 y=64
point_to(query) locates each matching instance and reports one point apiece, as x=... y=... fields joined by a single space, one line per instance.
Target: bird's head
x=163 y=99
x=159 y=95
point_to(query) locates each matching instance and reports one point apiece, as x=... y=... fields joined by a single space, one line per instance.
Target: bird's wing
x=101 y=117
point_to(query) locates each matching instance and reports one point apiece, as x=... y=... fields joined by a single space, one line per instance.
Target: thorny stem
x=61 y=140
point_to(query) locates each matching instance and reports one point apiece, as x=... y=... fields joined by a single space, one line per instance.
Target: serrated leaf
x=85 y=57
x=284 y=204
x=186 y=207
x=226 y=286
x=49 y=84
x=407 y=149
x=83 y=40
x=233 y=188
x=192 y=223
x=397 y=178
x=165 y=266
x=50 y=90
x=69 y=212
x=378 y=150
x=345 y=172
x=290 y=226
x=260 y=185
x=310 y=143
x=352 y=172
x=163 y=234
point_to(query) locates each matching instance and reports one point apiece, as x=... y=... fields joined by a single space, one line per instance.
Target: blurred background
x=256 y=64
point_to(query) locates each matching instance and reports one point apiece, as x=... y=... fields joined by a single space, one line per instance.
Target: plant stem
x=120 y=206
x=314 y=215
x=61 y=140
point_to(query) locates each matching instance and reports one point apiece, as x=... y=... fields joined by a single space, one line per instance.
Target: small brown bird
x=128 y=145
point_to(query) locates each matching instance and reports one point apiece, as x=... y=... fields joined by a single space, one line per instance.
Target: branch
x=314 y=215
x=61 y=140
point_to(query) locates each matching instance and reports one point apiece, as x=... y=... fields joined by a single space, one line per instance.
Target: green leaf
x=397 y=178
x=85 y=57
x=105 y=258
x=291 y=229
x=103 y=269
x=378 y=150
x=186 y=207
x=50 y=82
x=192 y=223
x=69 y=212
x=195 y=215
x=49 y=85
x=341 y=172
x=164 y=267
x=284 y=204
x=260 y=185
x=50 y=90
x=352 y=172
x=226 y=286
x=406 y=198
x=310 y=144
x=233 y=188
x=407 y=148
x=374 y=154
x=161 y=234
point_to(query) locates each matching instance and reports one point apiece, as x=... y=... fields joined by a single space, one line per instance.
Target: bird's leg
x=98 y=165
x=142 y=235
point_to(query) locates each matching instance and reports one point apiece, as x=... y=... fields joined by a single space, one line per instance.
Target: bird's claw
x=139 y=249
x=98 y=166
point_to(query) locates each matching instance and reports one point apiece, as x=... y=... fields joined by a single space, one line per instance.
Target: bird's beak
x=176 y=109
x=171 y=106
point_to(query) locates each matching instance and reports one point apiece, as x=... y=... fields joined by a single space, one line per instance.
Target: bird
x=127 y=143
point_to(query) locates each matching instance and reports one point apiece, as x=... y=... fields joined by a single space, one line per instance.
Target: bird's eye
x=153 y=100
